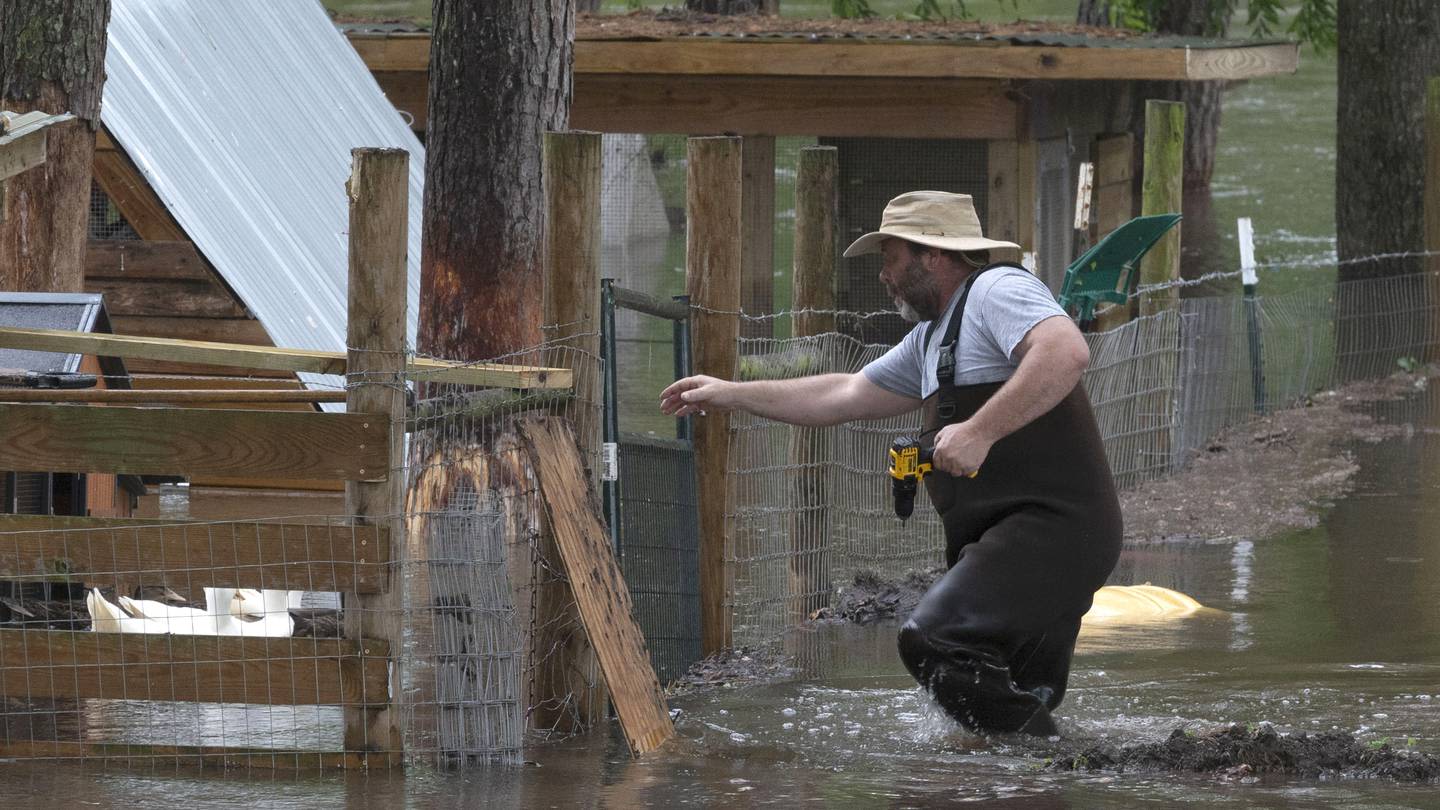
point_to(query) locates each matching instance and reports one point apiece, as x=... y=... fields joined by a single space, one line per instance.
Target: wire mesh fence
x=1161 y=387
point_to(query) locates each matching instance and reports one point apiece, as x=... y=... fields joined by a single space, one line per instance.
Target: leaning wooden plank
x=190 y=756
x=188 y=555
x=209 y=669
x=193 y=441
x=600 y=592
x=493 y=375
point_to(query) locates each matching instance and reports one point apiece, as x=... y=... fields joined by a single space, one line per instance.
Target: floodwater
x=1335 y=628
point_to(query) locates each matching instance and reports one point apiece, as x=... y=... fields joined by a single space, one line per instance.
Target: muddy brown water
x=1331 y=629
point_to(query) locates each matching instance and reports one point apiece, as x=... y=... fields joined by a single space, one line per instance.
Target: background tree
x=1387 y=51
x=52 y=58
x=501 y=75
x=733 y=6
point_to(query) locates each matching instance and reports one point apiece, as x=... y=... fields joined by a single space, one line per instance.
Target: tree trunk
x=588 y=6
x=1387 y=50
x=501 y=77
x=727 y=6
x=1093 y=12
x=52 y=58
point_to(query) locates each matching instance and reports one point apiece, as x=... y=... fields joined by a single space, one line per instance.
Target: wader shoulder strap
x=945 y=365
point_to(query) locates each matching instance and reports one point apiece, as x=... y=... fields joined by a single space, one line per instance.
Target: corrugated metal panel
x=241 y=115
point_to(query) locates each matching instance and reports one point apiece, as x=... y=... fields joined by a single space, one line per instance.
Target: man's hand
x=694 y=395
x=960 y=449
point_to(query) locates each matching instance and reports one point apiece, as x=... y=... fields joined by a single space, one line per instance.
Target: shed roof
x=688 y=44
x=242 y=116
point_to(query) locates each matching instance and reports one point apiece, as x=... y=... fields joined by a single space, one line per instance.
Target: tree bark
x=1387 y=51
x=588 y=6
x=52 y=58
x=500 y=77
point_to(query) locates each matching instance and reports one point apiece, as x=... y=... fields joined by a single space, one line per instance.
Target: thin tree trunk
x=1387 y=51
x=727 y=6
x=501 y=77
x=52 y=58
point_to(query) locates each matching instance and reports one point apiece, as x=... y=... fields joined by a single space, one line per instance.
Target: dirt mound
x=734 y=665
x=1240 y=752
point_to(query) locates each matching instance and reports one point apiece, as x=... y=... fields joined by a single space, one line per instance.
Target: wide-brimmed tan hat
x=935 y=218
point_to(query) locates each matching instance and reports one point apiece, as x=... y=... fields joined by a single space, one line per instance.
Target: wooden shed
x=1005 y=113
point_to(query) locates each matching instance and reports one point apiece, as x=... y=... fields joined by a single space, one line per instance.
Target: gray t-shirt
x=1004 y=305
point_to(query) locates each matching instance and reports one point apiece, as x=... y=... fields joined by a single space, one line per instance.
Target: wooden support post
x=1432 y=201
x=712 y=280
x=816 y=197
x=1161 y=194
x=757 y=237
x=1114 y=206
x=573 y=178
x=379 y=191
x=1003 y=199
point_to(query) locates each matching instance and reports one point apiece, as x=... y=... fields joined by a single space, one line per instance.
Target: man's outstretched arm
x=824 y=399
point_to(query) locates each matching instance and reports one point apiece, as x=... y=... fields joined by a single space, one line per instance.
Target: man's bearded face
x=915 y=292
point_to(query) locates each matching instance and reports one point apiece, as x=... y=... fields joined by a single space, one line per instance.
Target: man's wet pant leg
x=973 y=687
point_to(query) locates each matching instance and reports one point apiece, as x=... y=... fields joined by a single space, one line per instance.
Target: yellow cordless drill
x=909 y=464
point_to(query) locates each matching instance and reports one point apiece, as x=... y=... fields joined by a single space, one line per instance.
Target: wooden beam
x=194 y=441
x=134 y=260
x=22 y=154
x=410 y=52
x=712 y=279
x=51 y=664
x=409 y=92
x=378 y=192
x=185 y=555
x=190 y=756
x=399 y=51
x=816 y=106
x=495 y=375
x=601 y=596
x=917 y=60
x=138 y=203
x=174 y=396
x=142 y=297
x=1244 y=62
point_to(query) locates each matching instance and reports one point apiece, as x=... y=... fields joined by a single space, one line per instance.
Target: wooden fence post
x=379 y=192
x=1161 y=190
x=573 y=179
x=712 y=280
x=814 y=304
x=757 y=243
x=1432 y=202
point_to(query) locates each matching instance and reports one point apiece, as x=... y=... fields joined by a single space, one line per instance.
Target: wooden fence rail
x=50 y=664
x=259 y=554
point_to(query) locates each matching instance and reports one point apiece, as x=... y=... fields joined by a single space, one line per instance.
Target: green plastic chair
x=1107 y=271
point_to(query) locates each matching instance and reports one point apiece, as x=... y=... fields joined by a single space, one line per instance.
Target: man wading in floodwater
x=995 y=364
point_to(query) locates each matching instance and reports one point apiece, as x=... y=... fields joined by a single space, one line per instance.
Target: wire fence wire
x=180 y=640
x=810 y=508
